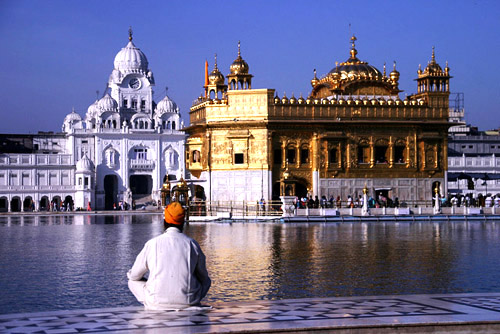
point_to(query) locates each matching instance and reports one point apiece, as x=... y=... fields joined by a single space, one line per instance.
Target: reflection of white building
x=122 y=149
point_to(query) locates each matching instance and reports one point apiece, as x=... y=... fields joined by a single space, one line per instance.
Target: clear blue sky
x=56 y=54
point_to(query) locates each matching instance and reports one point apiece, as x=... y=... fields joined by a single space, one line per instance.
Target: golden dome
x=353 y=68
x=433 y=66
x=277 y=99
x=354 y=77
x=284 y=99
x=301 y=100
x=216 y=77
x=394 y=75
x=293 y=100
x=314 y=80
x=239 y=66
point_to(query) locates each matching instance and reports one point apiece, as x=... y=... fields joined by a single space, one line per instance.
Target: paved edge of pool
x=458 y=313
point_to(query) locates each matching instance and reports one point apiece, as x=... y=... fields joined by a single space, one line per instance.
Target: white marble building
x=120 y=150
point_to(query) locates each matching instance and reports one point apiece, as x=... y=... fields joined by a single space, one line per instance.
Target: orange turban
x=174 y=214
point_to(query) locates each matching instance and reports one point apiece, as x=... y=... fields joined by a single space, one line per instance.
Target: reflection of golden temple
x=352 y=130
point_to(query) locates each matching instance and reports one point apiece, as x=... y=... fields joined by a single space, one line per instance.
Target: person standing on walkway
x=178 y=276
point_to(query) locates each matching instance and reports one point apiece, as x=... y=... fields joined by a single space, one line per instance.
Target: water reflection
x=68 y=262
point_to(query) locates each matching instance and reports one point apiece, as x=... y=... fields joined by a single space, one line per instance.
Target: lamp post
x=437 y=208
x=365 y=211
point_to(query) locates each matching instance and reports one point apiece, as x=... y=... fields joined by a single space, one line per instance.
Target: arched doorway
x=44 y=204
x=68 y=203
x=300 y=190
x=110 y=191
x=56 y=202
x=4 y=204
x=15 y=204
x=28 y=204
x=141 y=184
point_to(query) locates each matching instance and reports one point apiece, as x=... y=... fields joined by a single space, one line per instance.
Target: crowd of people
x=472 y=200
x=349 y=202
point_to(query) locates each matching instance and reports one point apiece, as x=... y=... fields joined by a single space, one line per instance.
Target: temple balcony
x=142 y=164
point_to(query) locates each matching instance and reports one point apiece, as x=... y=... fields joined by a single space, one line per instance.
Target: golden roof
x=355 y=68
x=355 y=77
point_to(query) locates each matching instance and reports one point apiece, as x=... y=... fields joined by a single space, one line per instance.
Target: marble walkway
x=455 y=313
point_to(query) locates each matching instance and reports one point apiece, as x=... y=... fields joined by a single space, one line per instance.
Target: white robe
x=178 y=277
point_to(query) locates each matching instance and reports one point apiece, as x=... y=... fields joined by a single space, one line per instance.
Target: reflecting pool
x=74 y=262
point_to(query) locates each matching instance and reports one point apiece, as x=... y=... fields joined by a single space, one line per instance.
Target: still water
x=66 y=262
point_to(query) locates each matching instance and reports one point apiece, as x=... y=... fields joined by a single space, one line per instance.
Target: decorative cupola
x=215 y=86
x=433 y=84
x=72 y=121
x=314 y=80
x=394 y=76
x=239 y=78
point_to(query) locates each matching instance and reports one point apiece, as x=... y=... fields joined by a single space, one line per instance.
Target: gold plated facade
x=351 y=131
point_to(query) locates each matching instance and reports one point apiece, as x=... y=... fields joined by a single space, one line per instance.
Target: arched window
x=399 y=154
x=173 y=125
x=304 y=154
x=363 y=153
x=291 y=154
x=196 y=156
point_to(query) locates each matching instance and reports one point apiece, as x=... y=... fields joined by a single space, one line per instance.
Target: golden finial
x=433 y=59
x=239 y=49
x=353 y=40
x=384 y=70
x=315 y=74
x=215 y=66
x=394 y=66
x=353 y=52
x=130 y=33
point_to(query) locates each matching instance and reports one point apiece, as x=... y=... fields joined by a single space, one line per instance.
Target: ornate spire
x=353 y=52
x=239 y=49
x=215 y=65
x=130 y=33
x=433 y=59
x=384 y=71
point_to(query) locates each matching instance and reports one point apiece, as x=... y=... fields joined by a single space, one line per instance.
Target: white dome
x=107 y=103
x=167 y=106
x=93 y=109
x=84 y=165
x=72 y=117
x=131 y=59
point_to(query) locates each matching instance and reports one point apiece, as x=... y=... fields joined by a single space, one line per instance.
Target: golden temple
x=352 y=131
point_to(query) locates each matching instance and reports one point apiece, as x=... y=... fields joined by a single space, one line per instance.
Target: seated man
x=178 y=277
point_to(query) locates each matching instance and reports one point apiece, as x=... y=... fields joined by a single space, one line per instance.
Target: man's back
x=177 y=271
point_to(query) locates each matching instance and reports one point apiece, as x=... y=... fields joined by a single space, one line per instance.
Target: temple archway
x=110 y=191
x=15 y=204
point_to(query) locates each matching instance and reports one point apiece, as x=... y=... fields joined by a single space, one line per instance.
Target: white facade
x=120 y=150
